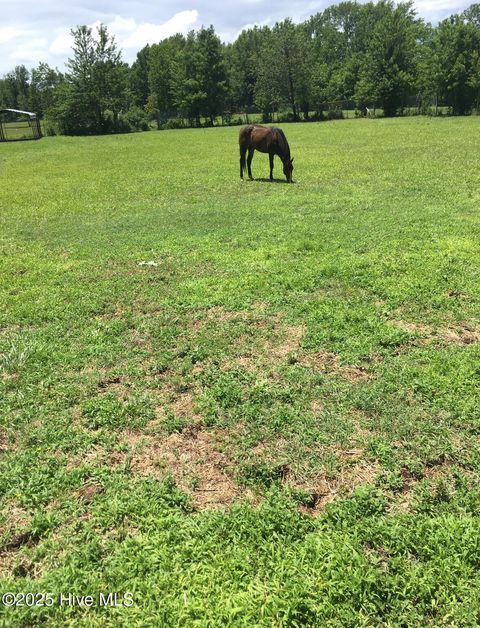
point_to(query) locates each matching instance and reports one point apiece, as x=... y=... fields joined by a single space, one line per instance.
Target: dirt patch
x=17 y=519
x=270 y=450
x=194 y=460
x=361 y=422
x=220 y=315
x=330 y=363
x=416 y=328
x=88 y=491
x=27 y=537
x=316 y=406
x=353 y=373
x=246 y=362
x=460 y=334
x=117 y=313
x=5 y=444
x=16 y=535
x=323 y=490
x=109 y=381
x=441 y=470
x=288 y=343
x=6 y=377
x=183 y=405
x=94 y=456
x=141 y=339
x=281 y=343
x=116 y=385
x=217 y=314
x=354 y=469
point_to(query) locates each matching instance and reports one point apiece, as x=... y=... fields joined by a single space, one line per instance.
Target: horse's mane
x=283 y=142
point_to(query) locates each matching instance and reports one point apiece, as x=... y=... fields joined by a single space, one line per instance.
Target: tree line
x=374 y=55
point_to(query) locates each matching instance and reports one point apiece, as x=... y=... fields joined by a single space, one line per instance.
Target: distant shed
x=19 y=125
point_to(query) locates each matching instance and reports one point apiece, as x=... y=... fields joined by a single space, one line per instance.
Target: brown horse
x=266 y=139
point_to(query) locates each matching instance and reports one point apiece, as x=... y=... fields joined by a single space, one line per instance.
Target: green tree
x=138 y=77
x=96 y=84
x=162 y=60
x=16 y=86
x=199 y=79
x=388 y=71
x=268 y=93
x=43 y=88
x=471 y=15
x=474 y=78
x=427 y=71
x=284 y=70
x=457 y=44
x=243 y=65
x=211 y=67
x=110 y=79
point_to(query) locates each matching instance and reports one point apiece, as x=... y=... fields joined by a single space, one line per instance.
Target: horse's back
x=256 y=136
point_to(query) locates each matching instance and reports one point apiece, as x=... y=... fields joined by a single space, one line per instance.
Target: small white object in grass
x=147 y=263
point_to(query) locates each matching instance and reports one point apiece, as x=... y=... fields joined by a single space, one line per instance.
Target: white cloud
x=436 y=10
x=146 y=33
x=8 y=33
x=129 y=34
x=121 y=25
x=62 y=44
x=29 y=52
x=267 y=22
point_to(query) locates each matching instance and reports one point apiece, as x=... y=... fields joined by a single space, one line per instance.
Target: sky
x=34 y=31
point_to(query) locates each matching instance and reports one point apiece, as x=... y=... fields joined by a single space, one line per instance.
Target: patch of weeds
x=108 y=411
x=228 y=388
x=139 y=410
x=174 y=423
x=161 y=363
x=380 y=449
x=19 y=352
x=366 y=501
x=261 y=474
x=103 y=411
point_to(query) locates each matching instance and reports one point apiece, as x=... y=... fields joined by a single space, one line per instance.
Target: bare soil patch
x=461 y=334
x=15 y=535
x=288 y=343
x=324 y=490
x=194 y=460
x=183 y=405
x=329 y=363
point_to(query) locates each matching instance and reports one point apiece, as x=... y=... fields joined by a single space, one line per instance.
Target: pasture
x=246 y=403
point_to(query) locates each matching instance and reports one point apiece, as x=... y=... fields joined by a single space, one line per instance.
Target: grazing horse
x=266 y=139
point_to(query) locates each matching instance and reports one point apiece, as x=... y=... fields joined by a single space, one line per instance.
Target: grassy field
x=247 y=404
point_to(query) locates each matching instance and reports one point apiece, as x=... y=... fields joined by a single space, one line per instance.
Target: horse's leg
x=242 y=160
x=249 y=162
x=271 y=166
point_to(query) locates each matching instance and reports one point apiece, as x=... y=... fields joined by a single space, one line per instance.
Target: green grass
x=245 y=403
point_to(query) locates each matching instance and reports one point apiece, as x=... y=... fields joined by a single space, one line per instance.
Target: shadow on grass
x=265 y=180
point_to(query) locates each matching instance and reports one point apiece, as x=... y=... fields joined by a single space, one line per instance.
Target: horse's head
x=288 y=169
